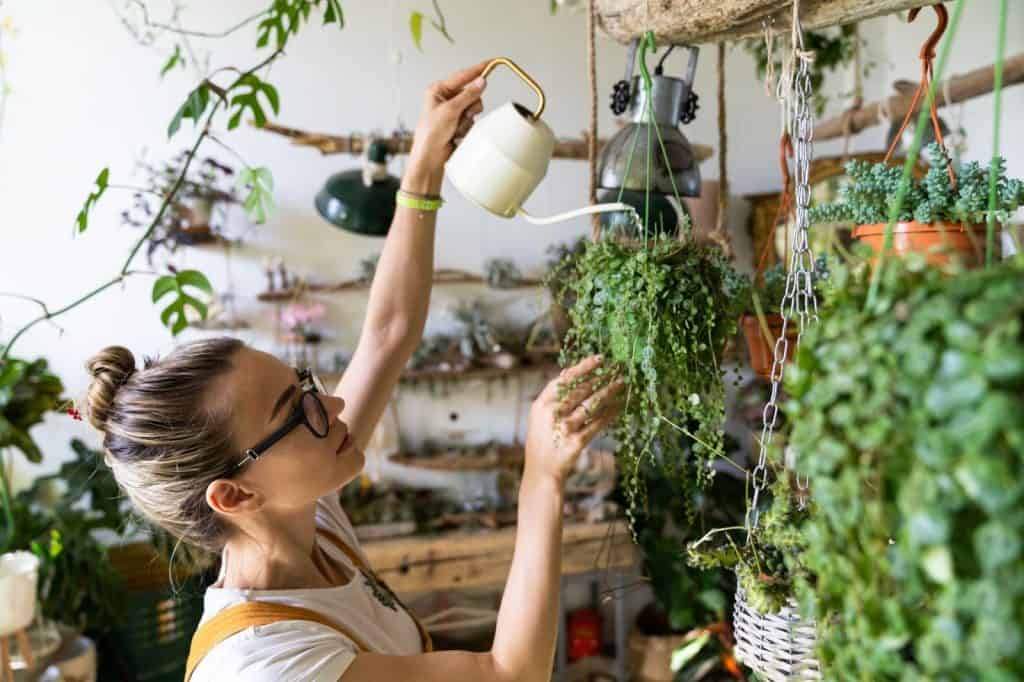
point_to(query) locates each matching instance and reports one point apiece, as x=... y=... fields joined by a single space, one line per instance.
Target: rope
x=997 y=90
x=595 y=221
x=769 y=48
x=785 y=204
x=721 y=234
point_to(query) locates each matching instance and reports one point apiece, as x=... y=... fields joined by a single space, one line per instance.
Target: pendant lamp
x=361 y=201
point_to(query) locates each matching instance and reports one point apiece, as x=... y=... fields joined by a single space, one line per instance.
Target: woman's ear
x=230 y=497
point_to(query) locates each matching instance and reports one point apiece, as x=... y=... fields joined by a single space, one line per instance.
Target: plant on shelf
x=661 y=313
x=501 y=273
x=909 y=409
x=198 y=213
x=933 y=211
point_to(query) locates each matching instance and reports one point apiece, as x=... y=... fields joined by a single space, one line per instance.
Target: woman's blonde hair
x=162 y=440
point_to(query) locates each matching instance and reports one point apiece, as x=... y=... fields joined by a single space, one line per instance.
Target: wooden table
x=461 y=559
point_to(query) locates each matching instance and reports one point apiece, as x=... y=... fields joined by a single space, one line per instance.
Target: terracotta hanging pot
x=939 y=243
x=762 y=350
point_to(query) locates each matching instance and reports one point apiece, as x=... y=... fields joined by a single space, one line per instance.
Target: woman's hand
x=570 y=411
x=449 y=107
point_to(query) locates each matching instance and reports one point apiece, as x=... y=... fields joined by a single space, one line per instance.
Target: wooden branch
x=565 y=148
x=969 y=85
x=699 y=21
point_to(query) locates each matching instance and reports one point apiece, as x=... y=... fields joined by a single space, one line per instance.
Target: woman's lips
x=344 y=444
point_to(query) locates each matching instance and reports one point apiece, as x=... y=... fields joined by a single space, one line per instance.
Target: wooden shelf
x=443 y=276
x=460 y=559
x=477 y=373
x=499 y=457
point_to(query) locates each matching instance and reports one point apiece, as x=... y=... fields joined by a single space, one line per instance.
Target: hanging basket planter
x=761 y=349
x=940 y=243
x=779 y=646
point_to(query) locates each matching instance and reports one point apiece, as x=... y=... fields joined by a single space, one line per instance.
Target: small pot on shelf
x=762 y=350
x=940 y=243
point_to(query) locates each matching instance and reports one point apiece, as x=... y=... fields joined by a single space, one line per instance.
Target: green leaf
x=259 y=201
x=688 y=651
x=937 y=563
x=176 y=59
x=193 y=107
x=82 y=219
x=163 y=285
x=416 y=29
x=334 y=14
x=174 y=315
x=246 y=97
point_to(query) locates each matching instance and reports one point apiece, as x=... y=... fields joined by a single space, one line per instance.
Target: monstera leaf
x=173 y=316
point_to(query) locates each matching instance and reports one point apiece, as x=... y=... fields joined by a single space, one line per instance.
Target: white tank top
x=303 y=650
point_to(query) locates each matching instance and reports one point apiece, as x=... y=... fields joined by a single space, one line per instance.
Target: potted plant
x=199 y=210
x=938 y=218
x=684 y=634
x=561 y=271
x=302 y=333
x=912 y=408
x=762 y=323
x=661 y=313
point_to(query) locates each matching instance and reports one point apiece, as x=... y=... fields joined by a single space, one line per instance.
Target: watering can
x=506 y=155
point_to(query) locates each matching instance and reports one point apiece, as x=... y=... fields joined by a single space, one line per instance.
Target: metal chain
x=799 y=302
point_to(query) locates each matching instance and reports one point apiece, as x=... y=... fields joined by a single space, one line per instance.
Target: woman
x=229 y=449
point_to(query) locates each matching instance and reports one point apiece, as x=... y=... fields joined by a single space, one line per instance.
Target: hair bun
x=110 y=369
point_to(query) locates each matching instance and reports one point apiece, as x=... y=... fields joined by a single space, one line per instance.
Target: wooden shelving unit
x=477 y=373
x=443 y=276
x=460 y=559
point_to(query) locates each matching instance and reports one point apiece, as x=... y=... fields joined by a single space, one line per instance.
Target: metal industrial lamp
x=361 y=200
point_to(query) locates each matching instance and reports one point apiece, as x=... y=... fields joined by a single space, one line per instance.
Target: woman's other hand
x=570 y=411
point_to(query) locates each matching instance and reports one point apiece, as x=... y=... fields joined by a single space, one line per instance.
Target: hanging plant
x=660 y=312
x=767 y=565
x=934 y=214
x=907 y=417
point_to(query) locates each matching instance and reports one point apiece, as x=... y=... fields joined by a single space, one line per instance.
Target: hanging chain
x=799 y=303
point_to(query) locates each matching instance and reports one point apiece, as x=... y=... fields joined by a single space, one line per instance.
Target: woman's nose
x=335 y=404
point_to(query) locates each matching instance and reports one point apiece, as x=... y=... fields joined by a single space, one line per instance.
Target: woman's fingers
x=594 y=405
x=590 y=431
x=458 y=80
x=568 y=375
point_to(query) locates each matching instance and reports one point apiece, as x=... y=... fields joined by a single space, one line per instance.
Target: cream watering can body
x=506 y=155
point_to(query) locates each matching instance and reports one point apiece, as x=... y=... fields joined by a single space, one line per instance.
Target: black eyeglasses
x=309 y=411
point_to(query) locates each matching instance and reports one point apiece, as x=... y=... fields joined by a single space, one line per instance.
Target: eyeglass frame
x=309 y=384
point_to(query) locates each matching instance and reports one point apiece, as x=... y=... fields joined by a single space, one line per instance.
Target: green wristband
x=420 y=203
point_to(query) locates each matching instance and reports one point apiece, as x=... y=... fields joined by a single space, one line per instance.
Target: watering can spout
x=576 y=213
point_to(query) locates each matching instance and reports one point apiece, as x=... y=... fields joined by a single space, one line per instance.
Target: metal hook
x=928 y=49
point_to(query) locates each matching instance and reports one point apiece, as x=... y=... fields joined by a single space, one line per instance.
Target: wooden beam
x=565 y=148
x=693 y=22
x=967 y=86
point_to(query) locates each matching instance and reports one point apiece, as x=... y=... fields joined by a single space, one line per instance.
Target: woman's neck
x=273 y=552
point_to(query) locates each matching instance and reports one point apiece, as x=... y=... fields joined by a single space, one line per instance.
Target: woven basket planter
x=778 y=646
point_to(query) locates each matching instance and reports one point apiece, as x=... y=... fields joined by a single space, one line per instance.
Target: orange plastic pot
x=762 y=350
x=939 y=243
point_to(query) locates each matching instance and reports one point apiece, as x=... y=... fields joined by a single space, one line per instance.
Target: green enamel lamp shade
x=664 y=219
x=347 y=202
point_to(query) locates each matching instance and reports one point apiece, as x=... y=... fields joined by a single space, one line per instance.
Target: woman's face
x=300 y=467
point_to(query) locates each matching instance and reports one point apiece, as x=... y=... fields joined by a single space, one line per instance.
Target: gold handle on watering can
x=491 y=65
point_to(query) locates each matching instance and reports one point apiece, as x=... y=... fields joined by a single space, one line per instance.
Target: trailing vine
x=907 y=417
x=247 y=92
x=660 y=312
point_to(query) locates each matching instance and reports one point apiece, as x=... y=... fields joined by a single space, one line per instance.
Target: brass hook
x=928 y=49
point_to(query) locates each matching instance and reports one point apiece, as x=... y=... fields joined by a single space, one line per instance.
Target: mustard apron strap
x=234 y=619
x=425 y=640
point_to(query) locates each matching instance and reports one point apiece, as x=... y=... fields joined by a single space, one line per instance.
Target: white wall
x=86 y=95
